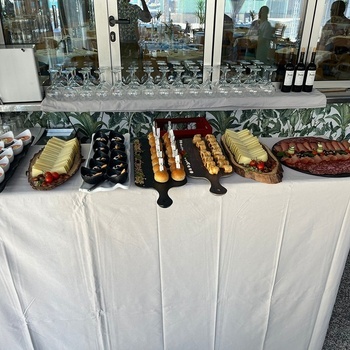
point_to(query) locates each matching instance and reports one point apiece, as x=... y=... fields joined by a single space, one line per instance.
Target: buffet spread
x=168 y=155
x=236 y=259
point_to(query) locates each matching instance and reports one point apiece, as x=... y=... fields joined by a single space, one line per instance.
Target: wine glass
x=236 y=81
x=54 y=91
x=266 y=84
x=86 y=91
x=194 y=86
x=178 y=86
x=68 y=91
x=118 y=88
x=224 y=86
x=251 y=84
x=207 y=88
x=103 y=88
x=163 y=85
x=133 y=87
x=149 y=88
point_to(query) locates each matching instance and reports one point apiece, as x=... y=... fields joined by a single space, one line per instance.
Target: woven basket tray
x=63 y=178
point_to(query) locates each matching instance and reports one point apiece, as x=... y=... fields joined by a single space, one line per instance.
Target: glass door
x=162 y=35
x=63 y=32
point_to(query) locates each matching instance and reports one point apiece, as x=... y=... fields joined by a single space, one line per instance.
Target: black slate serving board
x=194 y=167
x=164 y=200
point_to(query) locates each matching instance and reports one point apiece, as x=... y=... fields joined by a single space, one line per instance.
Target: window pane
x=333 y=48
x=63 y=31
x=262 y=32
x=168 y=31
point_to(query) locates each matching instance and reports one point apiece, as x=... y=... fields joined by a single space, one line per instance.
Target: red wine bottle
x=310 y=73
x=299 y=73
x=288 y=74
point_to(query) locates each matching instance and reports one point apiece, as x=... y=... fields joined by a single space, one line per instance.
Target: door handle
x=112 y=21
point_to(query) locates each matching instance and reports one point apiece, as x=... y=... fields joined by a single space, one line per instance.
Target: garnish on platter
x=315 y=155
x=54 y=164
x=250 y=158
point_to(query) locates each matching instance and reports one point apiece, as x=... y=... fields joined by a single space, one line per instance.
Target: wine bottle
x=288 y=74
x=310 y=73
x=299 y=73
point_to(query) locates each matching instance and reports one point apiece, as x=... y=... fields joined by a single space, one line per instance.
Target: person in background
x=337 y=25
x=129 y=33
x=264 y=31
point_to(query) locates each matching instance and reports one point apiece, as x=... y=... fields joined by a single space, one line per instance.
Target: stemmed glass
x=68 y=91
x=207 y=85
x=149 y=88
x=103 y=88
x=251 y=84
x=118 y=88
x=194 y=86
x=54 y=91
x=178 y=86
x=163 y=85
x=236 y=81
x=133 y=87
x=266 y=83
x=86 y=91
x=224 y=86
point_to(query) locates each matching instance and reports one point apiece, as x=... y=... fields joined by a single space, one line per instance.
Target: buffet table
x=256 y=268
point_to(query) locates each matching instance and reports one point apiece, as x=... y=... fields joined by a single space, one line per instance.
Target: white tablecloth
x=256 y=268
x=279 y=100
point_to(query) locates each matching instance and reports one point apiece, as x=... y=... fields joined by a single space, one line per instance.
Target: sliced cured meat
x=329 y=146
x=300 y=147
x=307 y=146
x=284 y=145
x=336 y=145
x=346 y=144
x=279 y=148
x=335 y=161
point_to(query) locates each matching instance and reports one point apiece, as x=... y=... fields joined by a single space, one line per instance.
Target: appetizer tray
x=104 y=184
x=195 y=168
x=37 y=185
x=273 y=176
x=144 y=176
x=314 y=155
x=13 y=166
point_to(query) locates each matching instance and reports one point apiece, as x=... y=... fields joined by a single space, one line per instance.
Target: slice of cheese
x=245 y=146
x=58 y=155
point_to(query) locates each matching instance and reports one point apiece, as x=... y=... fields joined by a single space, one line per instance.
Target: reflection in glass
x=63 y=31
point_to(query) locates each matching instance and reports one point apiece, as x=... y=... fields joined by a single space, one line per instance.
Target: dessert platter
x=204 y=159
x=108 y=163
x=250 y=158
x=54 y=164
x=12 y=150
x=158 y=164
x=315 y=155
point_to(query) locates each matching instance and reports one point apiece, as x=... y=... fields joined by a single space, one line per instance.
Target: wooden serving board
x=273 y=177
x=75 y=167
x=164 y=201
x=195 y=168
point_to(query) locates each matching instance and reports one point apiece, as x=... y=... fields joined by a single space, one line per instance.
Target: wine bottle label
x=310 y=78
x=288 y=78
x=299 y=78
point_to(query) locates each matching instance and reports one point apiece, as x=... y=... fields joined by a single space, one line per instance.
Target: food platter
x=37 y=185
x=14 y=164
x=273 y=176
x=144 y=176
x=314 y=155
x=195 y=168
